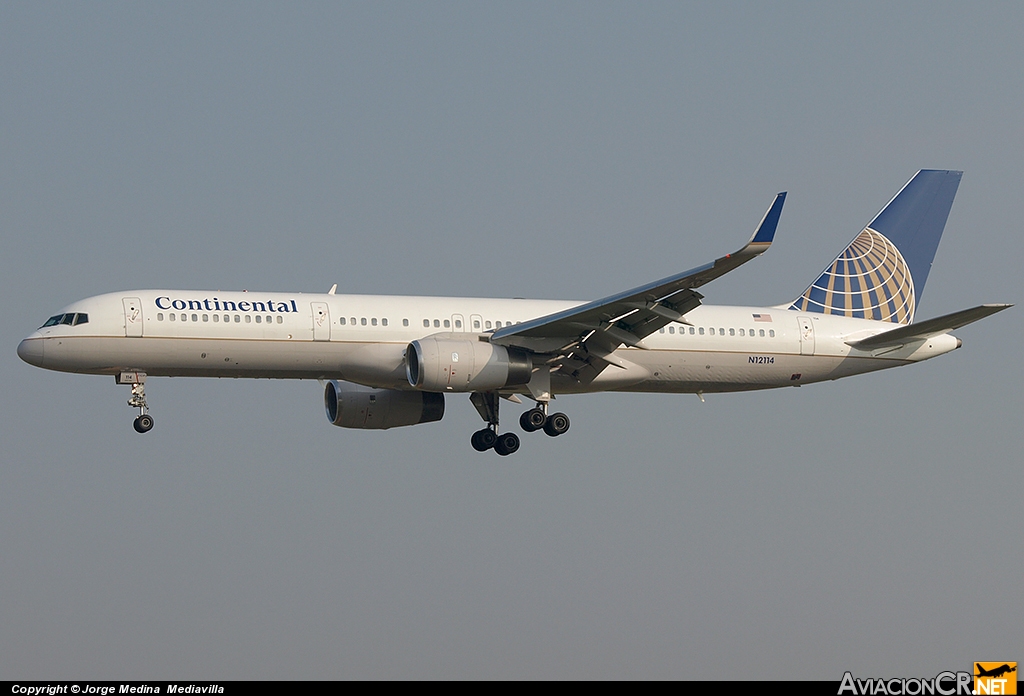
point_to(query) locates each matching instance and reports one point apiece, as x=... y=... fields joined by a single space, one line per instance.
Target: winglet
x=765 y=232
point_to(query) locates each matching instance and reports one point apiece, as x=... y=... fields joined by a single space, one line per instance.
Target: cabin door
x=132 y=317
x=806 y=336
x=321 y=321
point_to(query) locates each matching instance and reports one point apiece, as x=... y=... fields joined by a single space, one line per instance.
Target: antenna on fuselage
x=333 y=288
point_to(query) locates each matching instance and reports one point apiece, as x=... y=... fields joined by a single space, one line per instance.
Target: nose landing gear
x=144 y=422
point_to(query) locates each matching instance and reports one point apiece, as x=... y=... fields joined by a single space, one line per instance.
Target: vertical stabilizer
x=881 y=274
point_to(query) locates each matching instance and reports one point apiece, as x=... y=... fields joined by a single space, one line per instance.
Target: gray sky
x=514 y=149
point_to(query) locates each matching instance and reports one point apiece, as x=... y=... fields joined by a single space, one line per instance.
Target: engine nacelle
x=355 y=406
x=451 y=363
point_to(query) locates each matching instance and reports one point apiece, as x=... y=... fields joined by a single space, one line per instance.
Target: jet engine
x=447 y=363
x=355 y=406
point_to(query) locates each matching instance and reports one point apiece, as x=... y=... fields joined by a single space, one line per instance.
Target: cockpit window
x=71 y=319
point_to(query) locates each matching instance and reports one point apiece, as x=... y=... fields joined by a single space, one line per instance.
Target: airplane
x=995 y=672
x=389 y=361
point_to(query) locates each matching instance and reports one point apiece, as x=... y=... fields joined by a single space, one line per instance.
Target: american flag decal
x=762 y=317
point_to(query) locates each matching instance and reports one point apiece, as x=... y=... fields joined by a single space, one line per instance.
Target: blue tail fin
x=881 y=275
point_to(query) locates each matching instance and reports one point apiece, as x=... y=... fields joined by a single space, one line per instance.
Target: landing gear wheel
x=507 y=444
x=483 y=440
x=533 y=420
x=143 y=424
x=556 y=424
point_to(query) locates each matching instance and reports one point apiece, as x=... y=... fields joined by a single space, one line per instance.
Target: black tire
x=143 y=424
x=556 y=424
x=483 y=440
x=507 y=444
x=532 y=420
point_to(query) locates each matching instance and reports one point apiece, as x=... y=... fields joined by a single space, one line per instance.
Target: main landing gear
x=536 y=418
x=144 y=423
x=487 y=406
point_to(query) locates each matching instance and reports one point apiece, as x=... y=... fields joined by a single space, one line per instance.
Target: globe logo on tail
x=869 y=280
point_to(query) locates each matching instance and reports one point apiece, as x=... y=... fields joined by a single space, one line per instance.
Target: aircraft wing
x=595 y=329
x=926 y=329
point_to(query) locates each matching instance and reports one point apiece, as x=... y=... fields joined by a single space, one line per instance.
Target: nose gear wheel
x=144 y=422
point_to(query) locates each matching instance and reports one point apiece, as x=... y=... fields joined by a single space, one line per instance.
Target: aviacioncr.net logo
x=995 y=678
x=943 y=684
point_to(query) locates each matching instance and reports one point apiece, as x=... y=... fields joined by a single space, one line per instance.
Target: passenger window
x=340 y=321
x=661 y=330
x=248 y=319
x=732 y=332
x=426 y=323
x=373 y=322
x=762 y=333
x=458 y=323
x=497 y=324
x=268 y=320
x=384 y=321
x=171 y=316
x=487 y=323
x=671 y=329
x=447 y=324
x=405 y=322
x=771 y=333
x=691 y=330
x=363 y=321
x=721 y=332
x=259 y=319
x=238 y=319
x=184 y=317
x=227 y=318
x=702 y=331
x=159 y=316
x=206 y=317
x=280 y=319
x=741 y=333
x=195 y=317
x=476 y=324
x=437 y=324
x=216 y=318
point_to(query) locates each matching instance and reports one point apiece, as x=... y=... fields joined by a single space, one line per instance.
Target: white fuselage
x=363 y=338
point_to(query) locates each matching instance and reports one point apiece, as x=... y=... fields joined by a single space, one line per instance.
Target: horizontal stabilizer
x=927 y=329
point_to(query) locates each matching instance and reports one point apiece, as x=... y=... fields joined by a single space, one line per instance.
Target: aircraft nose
x=31 y=351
